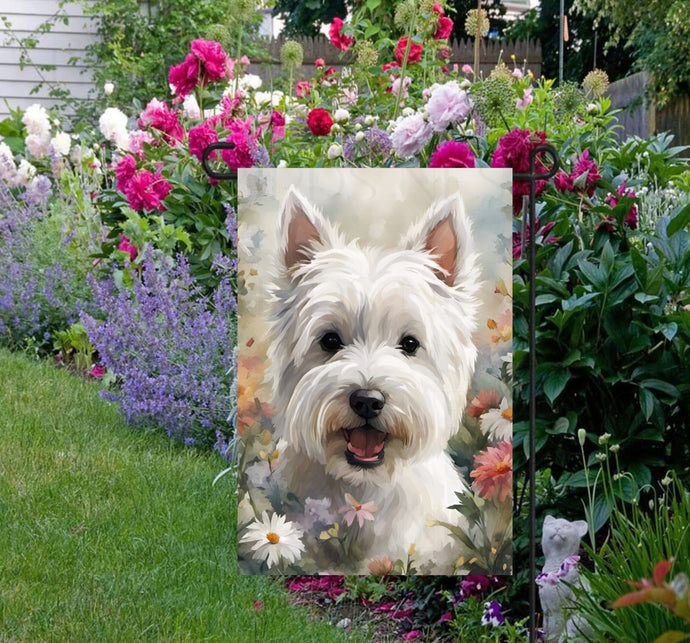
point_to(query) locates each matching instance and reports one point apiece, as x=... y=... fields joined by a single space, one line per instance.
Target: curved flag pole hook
x=533 y=176
x=205 y=156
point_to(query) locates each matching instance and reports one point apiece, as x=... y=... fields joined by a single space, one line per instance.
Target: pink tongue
x=365 y=443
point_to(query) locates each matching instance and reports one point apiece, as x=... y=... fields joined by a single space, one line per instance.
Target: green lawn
x=113 y=534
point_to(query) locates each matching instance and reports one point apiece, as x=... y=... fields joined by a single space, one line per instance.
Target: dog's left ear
x=445 y=232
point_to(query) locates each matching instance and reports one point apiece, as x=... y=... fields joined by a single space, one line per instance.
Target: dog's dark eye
x=331 y=342
x=409 y=345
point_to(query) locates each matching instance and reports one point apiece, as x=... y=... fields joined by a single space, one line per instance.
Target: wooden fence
x=641 y=117
x=461 y=52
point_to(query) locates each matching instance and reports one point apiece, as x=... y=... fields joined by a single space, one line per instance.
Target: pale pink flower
x=411 y=134
x=517 y=73
x=527 y=98
x=466 y=69
x=448 y=104
x=244 y=60
x=354 y=510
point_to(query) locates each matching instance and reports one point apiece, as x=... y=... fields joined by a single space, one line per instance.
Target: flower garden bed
x=119 y=259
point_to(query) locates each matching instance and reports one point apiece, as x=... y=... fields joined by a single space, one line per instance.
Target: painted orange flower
x=493 y=470
x=250 y=379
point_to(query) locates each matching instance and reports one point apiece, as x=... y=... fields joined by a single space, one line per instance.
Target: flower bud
x=581 y=436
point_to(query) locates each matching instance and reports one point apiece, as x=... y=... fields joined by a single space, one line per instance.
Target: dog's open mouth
x=364 y=446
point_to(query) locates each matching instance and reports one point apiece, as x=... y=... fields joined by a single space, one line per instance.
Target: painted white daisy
x=498 y=423
x=274 y=539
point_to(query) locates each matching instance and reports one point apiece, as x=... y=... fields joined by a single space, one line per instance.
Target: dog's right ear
x=302 y=227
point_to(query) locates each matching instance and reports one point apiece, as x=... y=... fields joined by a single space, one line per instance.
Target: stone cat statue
x=560 y=543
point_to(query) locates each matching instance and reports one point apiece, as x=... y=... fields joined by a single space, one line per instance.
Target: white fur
x=372 y=297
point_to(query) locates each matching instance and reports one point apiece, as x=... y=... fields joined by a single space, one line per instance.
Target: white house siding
x=54 y=48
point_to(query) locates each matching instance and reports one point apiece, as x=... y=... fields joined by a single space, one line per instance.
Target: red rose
x=319 y=122
x=338 y=39
x=445 y=28
x=415 y=54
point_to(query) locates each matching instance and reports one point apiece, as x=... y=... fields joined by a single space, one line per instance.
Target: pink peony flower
x=241 y=136
x=562 y=182
x=146 y=191
x=319 y=62
x=452 y=154
x=200 y=137
x=124 y=171
x=338 y=39
x=585 y=174
x=185 y=76
x=630 y=219
x=410 y=135
x=415 y=54
x=303 y=88
x=212 y=58
x=137 y=138
x=127 y=246
x=395 y=86
x=448 y=104
x=513 y=151
x=158 y=116
x=244 y=60
x=466 y=69
x=97 y=372
x=444 y=29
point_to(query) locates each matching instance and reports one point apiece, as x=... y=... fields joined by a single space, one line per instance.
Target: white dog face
x=371 y=352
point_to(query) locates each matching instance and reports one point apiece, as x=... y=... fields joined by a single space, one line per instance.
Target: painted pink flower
x=241 y=135
x=200 y=137
x=415 y=54
x=124 y=171
x=97 y=372
x=338 y=39
x=444 y=29
x=146 y=191
x=127 y=246
x=353 y=510
x=452 y=154
x=493 y=472
x=484 y=401
x=185 y=76
x=585 y=174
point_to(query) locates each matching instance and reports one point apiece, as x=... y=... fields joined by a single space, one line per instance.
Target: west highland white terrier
x=371 y=359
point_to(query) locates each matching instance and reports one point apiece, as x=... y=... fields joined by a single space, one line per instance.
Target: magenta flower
x=146 y=191
x=630 y=219
x=97 y=372
x=185 y=76
x=158 y=115
x=124 y=171
x=452 y=154
x=338 y=39
x=127 y=246
x=444 y=29
x=585 y=174
x=200 y=137
x=562 y=182
x=212 y=57
x=241 y=136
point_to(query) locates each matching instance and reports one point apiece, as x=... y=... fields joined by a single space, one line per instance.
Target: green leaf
x=643 y=298
x=663 y=387
x=561 y=425
x=601 y=511
x=672 y=636
x=680 y=218
x=555 y=383
x=647 y=402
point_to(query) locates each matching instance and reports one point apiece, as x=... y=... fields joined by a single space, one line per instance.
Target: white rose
x=341 y=115
x=359 y=136
x=61 y=143
x=108 y=89
x=334 y=151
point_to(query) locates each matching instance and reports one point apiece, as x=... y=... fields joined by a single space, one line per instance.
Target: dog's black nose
x=366 y=403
